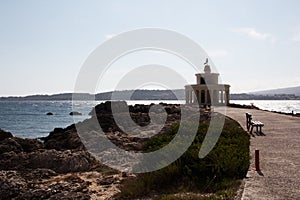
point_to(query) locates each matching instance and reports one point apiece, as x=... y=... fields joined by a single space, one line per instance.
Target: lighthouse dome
x=207 y=69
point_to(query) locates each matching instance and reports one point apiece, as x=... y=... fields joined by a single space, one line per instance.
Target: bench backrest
x=248 y=120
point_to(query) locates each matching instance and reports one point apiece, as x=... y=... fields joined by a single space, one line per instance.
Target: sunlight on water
x=28 y=118
x=287 y=106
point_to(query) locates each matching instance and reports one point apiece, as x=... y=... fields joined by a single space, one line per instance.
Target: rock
x=243 y=106
x=49 y=113
x=61 y=161
x=107 y=180
x=54 y=169
x=29 y=145
x=105 y=108
x=63 y=139
x=33 y=174
x=75 y=113
x=139 y=108
x=10 y=144
x=18 y=144
x=29 y=185
x=11 y=184
x=4 y=135
x=58 y=161
x=171 y=109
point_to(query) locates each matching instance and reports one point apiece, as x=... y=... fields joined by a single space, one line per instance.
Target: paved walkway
x=279 y=156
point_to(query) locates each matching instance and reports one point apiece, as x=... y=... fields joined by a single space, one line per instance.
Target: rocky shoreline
x=257 y=108
x=31 y=169
x=59 y=167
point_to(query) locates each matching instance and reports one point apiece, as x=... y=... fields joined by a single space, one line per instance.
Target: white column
x=186 y=96
x=227 y=97
x=206 y=96
x=222 y=97
x=198 y=95
x=190 y=96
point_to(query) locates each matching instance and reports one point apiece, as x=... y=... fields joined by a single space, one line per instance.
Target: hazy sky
x=255 y=45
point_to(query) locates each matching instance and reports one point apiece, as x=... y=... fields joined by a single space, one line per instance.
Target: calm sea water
x=286 y=106
x=28 y=119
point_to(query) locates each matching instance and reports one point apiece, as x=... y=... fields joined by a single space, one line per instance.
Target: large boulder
x=58 y=161
x=29 y=145
x=17 y=145
x=106 y=107
x=10 y=144
x=63 y=139
x=4 y=135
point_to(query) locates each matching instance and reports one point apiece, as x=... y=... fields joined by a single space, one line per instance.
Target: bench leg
x=260 y=129
x=251 y=129
x=247 y=124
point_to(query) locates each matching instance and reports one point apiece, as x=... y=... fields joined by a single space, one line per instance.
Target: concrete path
x=279 y=156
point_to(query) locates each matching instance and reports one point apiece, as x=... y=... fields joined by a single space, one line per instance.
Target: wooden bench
x=250 y=124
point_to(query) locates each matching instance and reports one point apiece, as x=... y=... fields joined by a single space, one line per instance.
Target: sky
x=255 y=45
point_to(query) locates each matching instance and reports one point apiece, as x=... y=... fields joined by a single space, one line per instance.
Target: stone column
x=198 y=95
x=215 y=97
x=206 y=98
x=199 y=99
x=186 y=96
x=193 y=96
x=211 y=96
x=222 y=97
x=227 y=97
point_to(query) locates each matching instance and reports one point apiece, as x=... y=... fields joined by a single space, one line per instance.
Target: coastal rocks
x=4 y=135
x=45 y=184
x=29 y=145
x=14 y=185
x=233 y=105
x=105 y=108
x=58 y=161
x=10 y=144
x=139 y=114
x=19 y=144
x=61 y=168
x=29 y=171
x=121 y=106
x=19 y=154
x=63 y=139
x=11 y=184
x=63 y=151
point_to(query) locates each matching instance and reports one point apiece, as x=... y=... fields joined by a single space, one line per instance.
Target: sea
x=28 y=119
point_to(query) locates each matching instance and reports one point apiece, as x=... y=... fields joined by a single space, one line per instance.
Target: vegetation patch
x=217 y=176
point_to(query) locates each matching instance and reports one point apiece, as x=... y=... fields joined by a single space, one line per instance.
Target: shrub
x=219 y=171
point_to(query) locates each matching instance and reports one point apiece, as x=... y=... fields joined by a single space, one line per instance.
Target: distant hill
x=121 y=95
x=289 y=90
x=245 y=96
x=143 y=95
x=292 y=93
x=54 y=97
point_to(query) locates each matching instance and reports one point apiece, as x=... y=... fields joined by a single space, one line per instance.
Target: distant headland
x=291 y=93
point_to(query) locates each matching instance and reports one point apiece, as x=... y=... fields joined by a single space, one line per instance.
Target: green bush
x=219 y=171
